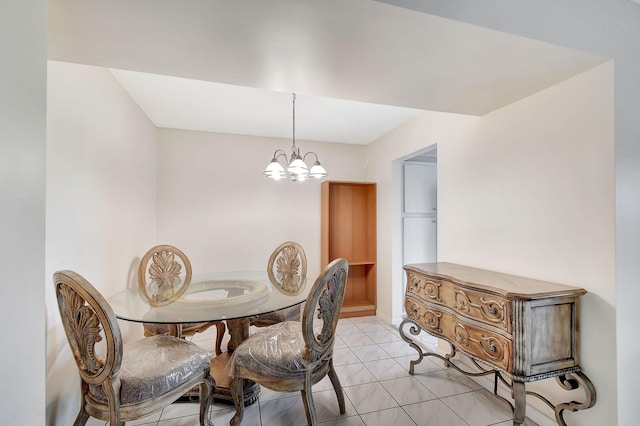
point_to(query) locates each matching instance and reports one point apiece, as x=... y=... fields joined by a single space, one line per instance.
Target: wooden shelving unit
x=349 y=231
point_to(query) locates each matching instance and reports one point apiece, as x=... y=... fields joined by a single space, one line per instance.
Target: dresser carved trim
x=518 y=329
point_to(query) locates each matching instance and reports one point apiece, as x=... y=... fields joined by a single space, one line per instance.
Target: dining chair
x=287 y=270
x=293 y=356
x=164 y=274
x=120 y=381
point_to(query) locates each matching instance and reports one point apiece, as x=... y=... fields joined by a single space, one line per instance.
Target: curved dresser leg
x=571 y=381
x=414 y=329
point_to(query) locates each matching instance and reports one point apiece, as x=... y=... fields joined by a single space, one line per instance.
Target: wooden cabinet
x=523 y=328
x=349 y=231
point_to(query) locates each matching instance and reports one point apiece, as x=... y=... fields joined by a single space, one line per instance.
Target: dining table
x=234 y=297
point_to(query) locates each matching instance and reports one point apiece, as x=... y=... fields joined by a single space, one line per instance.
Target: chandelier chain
x=294 y=121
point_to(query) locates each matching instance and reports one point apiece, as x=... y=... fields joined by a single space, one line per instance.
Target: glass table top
x=210 y=297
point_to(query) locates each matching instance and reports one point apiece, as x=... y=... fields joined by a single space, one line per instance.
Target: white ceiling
x=360 y=67
x=181 y=103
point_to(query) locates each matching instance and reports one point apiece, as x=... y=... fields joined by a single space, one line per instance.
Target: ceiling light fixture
x=296 y=167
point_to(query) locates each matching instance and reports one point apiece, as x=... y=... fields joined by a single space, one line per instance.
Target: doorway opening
x=415 y=219
x=420 y=207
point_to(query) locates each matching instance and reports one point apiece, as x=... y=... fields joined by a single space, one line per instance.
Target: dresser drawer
x=479 y=342
x=484 y=307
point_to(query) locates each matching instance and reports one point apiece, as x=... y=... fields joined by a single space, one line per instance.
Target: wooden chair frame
x=324 y=303
x=86 y=317
x=287 y=270
x=158 y=271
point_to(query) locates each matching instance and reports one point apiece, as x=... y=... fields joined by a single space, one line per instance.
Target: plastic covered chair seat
x=174 y=362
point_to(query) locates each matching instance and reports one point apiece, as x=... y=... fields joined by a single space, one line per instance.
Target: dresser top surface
x=511 y=286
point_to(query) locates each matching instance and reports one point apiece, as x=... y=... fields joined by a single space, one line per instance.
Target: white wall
x=533 y=194
x=529 y=190
x=215 y=204
x=100 y=214
x=425 y=130
x=609 y=28
x=23 y=43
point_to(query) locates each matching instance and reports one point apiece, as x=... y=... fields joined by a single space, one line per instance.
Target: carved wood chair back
x=292 y=356
x=322 y=310
x=164 y=274
x=116 y=382
x=287 y=270
x=287 y=267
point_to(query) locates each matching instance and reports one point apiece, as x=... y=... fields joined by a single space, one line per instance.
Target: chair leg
x=220 y=329
x=111 y=390
x=83 y=416
x=337 y=387
x=206 y=398
x=236 y=386
x=309 y=406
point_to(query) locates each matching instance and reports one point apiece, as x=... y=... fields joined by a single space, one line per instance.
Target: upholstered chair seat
x=277 y=351
x=175 y=361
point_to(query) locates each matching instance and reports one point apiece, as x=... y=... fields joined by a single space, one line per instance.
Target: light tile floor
x=372 y=363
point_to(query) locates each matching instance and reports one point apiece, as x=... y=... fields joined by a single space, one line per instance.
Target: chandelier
x=295 y=166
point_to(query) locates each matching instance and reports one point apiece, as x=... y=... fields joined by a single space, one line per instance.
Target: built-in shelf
x=349 y=231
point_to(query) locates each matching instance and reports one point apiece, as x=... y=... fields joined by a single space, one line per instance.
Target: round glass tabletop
x=210 y=297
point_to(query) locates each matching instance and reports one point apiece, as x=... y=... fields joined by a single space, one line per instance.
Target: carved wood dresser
x=512 y=327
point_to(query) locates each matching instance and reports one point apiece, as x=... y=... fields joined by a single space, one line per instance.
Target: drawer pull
x=494 y=348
